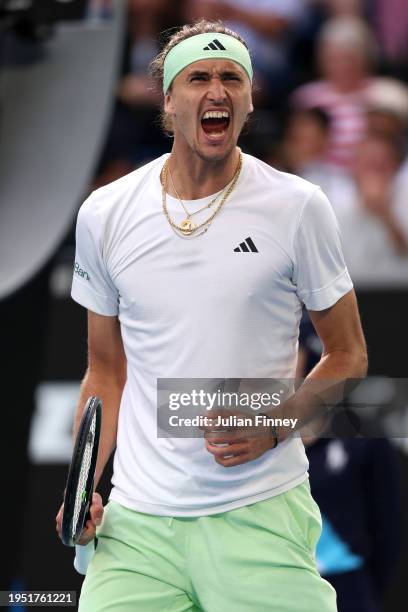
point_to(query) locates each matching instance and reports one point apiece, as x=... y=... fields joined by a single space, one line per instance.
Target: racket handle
x=83 y=556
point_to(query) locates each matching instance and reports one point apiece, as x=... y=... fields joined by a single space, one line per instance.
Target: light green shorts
x=257 y=558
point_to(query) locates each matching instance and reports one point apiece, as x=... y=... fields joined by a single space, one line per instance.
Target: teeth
x=216 y=115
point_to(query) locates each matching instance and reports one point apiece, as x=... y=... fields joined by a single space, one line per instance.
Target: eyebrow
x=204 y=73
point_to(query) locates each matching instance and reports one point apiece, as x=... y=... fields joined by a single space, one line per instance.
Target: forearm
x=109 y=390
x=326 y=385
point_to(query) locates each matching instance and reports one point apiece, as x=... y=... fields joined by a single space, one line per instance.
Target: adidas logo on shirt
x=247 y=246
x=214 y=45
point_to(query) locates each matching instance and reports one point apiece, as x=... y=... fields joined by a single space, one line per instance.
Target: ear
x=251 y=106
x=168 y=104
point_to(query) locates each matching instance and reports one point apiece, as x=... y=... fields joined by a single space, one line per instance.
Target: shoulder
x=112 y=198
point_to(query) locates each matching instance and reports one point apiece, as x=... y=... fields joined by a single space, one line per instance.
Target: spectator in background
x=267 y=26
x=147 y=18
x=388 y=114
x=375 y=170
x=305 y=143
x=135 y=135
x=389 y=21
x=387 y=107
x=346 y=52
x=370 y=205
x=303 y=151
x=369 y=198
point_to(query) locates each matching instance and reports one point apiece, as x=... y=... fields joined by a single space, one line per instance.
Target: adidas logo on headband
x=215 y=45
x=204 y=47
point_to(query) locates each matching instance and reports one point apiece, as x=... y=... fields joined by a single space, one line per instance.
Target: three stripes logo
x=247 y=246
x=214 y=45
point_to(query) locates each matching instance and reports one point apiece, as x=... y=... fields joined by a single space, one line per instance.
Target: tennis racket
x=79 y=488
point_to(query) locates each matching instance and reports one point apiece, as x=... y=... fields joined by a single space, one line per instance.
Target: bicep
x=339 y=327
x=105 y=345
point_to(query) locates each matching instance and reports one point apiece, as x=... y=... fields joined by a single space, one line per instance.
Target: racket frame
x=93 y=407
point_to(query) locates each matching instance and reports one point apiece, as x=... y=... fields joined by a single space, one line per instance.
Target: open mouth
x=215 y=123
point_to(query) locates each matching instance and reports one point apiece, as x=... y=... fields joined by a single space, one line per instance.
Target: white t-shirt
x=197 y=308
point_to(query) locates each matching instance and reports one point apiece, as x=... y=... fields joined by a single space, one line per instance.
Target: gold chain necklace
x=191 y=214
x=188 y=227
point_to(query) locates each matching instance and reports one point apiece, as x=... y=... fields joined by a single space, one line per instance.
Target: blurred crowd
x=331 y=100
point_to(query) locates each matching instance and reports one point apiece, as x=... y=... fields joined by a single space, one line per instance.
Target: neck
x=196 y=178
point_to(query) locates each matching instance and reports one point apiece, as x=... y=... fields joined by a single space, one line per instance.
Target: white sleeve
x=320 y=273
x=92 y=286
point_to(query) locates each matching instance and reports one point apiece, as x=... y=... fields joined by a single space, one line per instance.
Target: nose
x=216 y=90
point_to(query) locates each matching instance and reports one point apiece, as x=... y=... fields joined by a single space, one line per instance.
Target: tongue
x=211 y=126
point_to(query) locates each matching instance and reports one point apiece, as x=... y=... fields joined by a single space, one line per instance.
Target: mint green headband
x=211 y=45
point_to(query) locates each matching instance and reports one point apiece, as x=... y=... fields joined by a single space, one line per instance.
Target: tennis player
x=196 y=265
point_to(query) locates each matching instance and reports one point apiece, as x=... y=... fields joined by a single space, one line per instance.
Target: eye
x=197 y=77
x=231 y=77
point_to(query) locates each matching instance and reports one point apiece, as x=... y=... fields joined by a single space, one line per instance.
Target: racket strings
x=81 y=496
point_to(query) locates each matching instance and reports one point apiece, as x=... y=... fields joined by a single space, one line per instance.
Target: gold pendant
x=187 y=226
